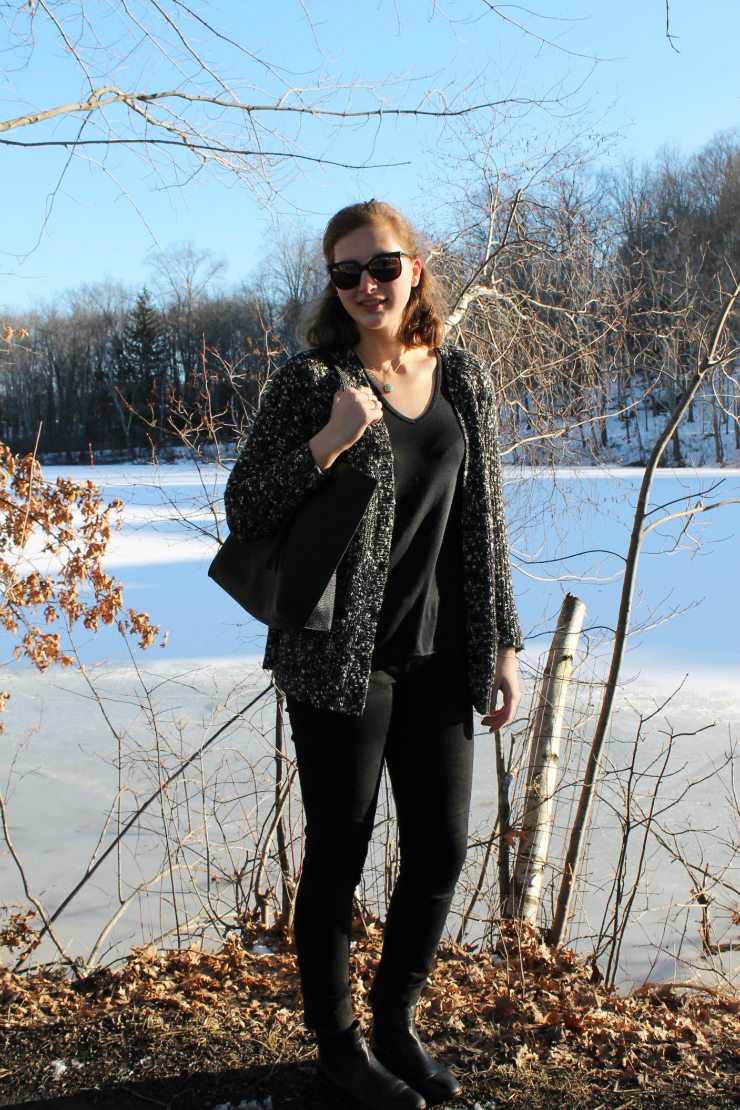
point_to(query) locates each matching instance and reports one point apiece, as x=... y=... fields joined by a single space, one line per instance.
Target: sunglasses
x=381 y=267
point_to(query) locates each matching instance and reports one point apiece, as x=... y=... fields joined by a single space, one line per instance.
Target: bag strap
x=344 y=378
x=273 y=559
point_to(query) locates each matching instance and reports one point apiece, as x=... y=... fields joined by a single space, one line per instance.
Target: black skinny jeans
x=419 y=719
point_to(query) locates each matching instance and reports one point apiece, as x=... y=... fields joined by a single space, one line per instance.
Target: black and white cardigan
x=276 y=471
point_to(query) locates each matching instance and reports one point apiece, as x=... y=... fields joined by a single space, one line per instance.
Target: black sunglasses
x=382 y=267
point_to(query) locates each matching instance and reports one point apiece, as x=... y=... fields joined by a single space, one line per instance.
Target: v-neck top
x=422 y=608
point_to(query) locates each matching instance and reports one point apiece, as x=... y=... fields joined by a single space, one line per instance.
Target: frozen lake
x=567 y=531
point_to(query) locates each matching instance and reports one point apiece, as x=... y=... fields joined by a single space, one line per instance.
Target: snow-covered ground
x=568 y=532
x=631 y=435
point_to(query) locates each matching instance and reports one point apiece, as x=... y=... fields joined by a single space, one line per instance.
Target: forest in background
x=587 y=294
x=594 y=299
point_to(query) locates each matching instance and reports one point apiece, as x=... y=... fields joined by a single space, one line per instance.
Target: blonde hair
x=326 y=322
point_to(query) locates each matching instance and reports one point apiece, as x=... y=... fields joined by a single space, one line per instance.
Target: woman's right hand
x=352 y=410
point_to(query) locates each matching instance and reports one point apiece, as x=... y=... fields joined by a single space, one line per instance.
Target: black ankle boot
x=346 y=1061
x=396 y=1044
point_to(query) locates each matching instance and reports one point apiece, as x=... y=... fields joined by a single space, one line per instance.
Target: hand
x=505 y=681
x=352 y=410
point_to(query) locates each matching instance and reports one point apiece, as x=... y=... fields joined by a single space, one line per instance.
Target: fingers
x=355 y=408
x=497 y=721
x=371 y=405
x=363 y=394
x=368 y=394
x=504 y=715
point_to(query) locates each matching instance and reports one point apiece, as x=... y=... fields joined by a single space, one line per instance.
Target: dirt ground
x=132 y=1062
x=198 y=1030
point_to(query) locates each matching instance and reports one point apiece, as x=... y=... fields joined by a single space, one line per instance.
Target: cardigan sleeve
x=507 y=621
x=276 y=470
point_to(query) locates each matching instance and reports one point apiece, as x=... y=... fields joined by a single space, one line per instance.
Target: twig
x=153 y=798
x=34 y=901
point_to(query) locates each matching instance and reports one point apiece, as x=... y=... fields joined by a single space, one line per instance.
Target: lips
x=376 y=302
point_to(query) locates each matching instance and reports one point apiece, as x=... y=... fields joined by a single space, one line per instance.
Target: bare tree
x=172 y=83
x=184 y=274
x=716 y=352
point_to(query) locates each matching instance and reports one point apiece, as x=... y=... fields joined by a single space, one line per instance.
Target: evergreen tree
x=142 y=363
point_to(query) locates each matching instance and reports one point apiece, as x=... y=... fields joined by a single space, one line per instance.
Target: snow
x=698 y=447
x=65 y=753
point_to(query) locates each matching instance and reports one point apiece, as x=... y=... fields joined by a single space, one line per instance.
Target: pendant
x=387 y=387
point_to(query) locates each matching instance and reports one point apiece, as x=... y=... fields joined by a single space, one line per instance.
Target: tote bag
x=287 y=579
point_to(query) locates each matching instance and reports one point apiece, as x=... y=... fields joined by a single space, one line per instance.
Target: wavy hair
x=326 y=322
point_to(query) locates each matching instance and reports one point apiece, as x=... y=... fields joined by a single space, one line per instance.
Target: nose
x=368 y=284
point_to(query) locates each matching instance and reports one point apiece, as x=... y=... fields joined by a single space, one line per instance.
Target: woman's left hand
x=505 y=681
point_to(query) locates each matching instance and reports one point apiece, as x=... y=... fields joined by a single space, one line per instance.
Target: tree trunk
x=572 y=861
x=640 y=448
x=719 y=454
x=288 y=892
x=677 y=456
x=536 y=830
x=503 y=823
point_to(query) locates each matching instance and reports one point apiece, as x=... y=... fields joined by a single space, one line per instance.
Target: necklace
x=387 y=387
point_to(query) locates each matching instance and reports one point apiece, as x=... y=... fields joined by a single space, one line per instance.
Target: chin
x=375 y=322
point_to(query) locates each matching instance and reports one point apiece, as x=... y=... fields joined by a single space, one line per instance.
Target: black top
x=422 y=609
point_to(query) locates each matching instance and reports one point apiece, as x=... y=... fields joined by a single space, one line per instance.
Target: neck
x=378 y=350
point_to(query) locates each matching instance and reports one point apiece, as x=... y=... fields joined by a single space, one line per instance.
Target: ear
x=416 y=268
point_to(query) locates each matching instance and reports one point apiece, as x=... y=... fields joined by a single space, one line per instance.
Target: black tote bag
x=287 y=579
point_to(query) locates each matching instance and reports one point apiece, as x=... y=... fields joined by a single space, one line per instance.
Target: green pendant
x=387 y=387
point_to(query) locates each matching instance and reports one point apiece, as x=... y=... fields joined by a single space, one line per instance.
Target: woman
x=424 y=630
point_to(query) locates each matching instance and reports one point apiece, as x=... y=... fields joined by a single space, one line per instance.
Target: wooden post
x=288 y=885
x=536 y=828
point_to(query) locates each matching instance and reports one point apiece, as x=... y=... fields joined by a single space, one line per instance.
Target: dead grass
x=525 y=1026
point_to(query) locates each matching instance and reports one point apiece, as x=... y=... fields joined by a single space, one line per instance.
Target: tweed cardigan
x=277 y=470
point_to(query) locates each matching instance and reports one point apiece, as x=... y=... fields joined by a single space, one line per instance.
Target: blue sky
x=641 y=94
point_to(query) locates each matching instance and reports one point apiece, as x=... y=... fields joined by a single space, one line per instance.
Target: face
x=376 y=306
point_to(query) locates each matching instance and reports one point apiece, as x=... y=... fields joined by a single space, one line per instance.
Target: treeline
x=109 y=369
x=589 y=296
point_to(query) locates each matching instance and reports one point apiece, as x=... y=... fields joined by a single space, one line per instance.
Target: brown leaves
x=19 y=933
x=9 y=334
x=4 y=696
x=137 y=624
x=69 y=522
x=483 y=1015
